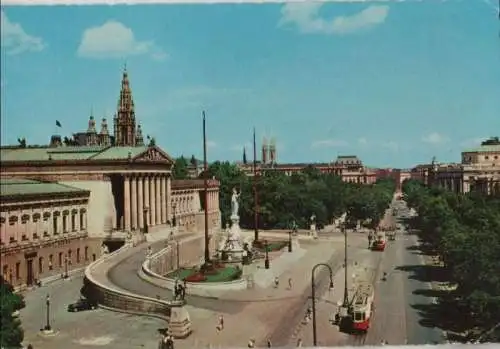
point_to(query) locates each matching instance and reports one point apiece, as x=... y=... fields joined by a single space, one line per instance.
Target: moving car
x=82 y=304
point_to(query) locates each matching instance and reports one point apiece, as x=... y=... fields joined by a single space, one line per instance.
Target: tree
x=464 y=230
x=11 y=332
x=180 y=170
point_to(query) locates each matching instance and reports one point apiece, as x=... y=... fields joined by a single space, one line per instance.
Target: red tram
x=380 y=242
x=362 y=307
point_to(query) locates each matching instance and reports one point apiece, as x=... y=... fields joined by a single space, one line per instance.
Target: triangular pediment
x=153 y=154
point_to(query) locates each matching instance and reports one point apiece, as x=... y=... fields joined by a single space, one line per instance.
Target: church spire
x=125 y=127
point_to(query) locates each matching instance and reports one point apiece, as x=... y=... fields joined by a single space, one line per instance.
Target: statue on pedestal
x=235 y=206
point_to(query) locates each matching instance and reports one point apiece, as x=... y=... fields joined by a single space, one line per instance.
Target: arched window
x=86 y=253
x=51 y=260
x=78 y=255
x=60 y=260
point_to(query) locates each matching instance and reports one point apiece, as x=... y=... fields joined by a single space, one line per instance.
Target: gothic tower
x=124 y=121
x=272 y=151
x=92 y=132
x=265 y=150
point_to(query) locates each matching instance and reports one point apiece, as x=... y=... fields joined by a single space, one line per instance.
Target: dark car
x=82 y=304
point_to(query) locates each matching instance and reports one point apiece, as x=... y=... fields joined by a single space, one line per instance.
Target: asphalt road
x=124 y=275
x=83 y=329
x=395 y=319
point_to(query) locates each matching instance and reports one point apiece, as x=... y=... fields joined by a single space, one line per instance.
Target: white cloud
x=328 y=143
x=434 y=138
x=305 y=15
x=114 y=40
x=211 y=144
x=362 y=141
x=15 y=40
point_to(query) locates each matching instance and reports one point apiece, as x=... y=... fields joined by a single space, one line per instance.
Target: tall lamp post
x=47 y=302
x=313 y=296
x=345 y=304
x=266 y=261
x=290 y=241
x=145 y=219
x=205 y=187
x=174 y=220
x=66 y=261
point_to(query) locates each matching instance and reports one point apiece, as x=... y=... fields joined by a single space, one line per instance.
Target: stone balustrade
x=115 y=299
x=112 y=298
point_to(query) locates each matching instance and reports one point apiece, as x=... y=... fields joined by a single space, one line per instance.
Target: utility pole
x=255 y=192
x=346 y=292
x=205 y=185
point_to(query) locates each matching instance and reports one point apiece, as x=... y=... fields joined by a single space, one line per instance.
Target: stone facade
x=43 y=233
x=479 y=170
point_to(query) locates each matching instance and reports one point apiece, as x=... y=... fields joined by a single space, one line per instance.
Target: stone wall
x=191 y=252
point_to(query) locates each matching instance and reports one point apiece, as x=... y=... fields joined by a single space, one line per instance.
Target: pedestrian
x=289 y=283
x=269 y=344
x=299 y=342
x=251 y=343
x=276 y=282
x=29 y=346
x=221 y=322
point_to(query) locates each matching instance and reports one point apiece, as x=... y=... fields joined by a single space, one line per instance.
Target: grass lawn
x=227 y=273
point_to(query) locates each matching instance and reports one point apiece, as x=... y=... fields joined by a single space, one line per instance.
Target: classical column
x=126 y=202
x=158 y=195
x=152 y=200
x=140 y=202
x=133 y=183
x=163 y=199
x=168 y=198
x=146 y=198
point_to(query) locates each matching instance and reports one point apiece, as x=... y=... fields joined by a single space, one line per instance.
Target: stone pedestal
x=313 y=232
x=179 y=325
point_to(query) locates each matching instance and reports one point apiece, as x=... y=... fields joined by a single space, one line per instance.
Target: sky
x=394 y=83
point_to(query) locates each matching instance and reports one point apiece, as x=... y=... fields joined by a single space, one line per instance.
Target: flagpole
x=205 y=185
x=255 y=193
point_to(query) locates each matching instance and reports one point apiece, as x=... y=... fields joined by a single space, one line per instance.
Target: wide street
x=396 y=318
x=93 y=328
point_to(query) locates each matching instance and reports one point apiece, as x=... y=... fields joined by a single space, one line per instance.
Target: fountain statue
x=231 y=247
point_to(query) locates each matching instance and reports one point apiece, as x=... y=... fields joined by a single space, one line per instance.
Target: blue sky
x=392 y=82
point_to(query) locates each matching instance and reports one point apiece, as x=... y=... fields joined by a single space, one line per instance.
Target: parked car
x=82 y=304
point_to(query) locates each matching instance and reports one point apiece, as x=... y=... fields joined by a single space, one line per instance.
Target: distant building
x=348 y=167
x=479 y=170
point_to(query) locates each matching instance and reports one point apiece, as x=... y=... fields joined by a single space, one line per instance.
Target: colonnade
x=145 y=198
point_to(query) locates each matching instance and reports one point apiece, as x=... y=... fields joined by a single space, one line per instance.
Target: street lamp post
x=266 y=261
x=66 y=261
x=313 y=296
x=290 y=241
x=174 y=220
x=145 y=219
x=345 y=304
x=47 y=302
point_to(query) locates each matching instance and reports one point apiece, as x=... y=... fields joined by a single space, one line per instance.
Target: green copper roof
x=70 y=153
x=20 y=186
x=114 y=153
x=485 y=148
